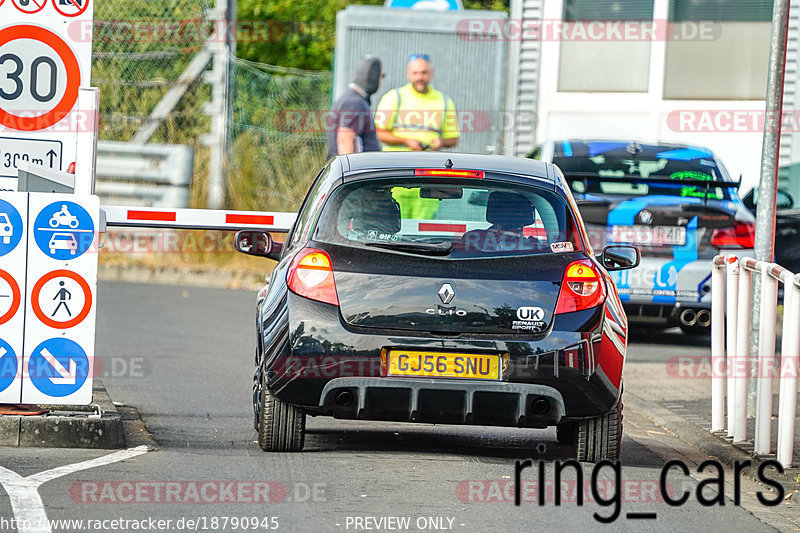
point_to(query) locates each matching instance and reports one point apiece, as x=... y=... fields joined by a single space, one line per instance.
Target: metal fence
x=141 y=51
x=278 y=136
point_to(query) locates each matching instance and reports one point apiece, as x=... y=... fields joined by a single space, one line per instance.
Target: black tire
x=600 y=437
x=565 y=433
x=282 y=426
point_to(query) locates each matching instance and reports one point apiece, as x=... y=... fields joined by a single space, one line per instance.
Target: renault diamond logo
x=446 y=293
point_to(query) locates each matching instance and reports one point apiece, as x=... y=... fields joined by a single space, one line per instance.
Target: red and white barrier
x=209 y=219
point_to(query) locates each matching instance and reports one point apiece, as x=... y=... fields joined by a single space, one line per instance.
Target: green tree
x=302 y=33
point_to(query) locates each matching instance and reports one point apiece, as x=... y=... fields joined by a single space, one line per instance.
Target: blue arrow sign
x=10 y=227
x=63 y=230
x=58 y=367
x=8 y=365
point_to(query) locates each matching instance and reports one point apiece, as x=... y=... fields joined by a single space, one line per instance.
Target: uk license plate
x=443 y=365
x=649 y=235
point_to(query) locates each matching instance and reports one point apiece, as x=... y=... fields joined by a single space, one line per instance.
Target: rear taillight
x=311 y=276
x=740 y=235
x=582 y=288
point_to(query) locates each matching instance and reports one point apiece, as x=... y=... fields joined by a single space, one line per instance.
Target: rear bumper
x=443 y=401
x=576 y=367
x=667 y=283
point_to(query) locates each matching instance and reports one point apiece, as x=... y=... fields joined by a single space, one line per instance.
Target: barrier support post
x=741 y=368
x=766 y=360
x=731 y=312
x=790 y=357
x=717 y=348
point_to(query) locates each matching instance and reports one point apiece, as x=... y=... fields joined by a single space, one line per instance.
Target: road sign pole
x=768 y=185
x=86 y=149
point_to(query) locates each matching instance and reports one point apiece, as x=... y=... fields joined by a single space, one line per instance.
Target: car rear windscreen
x=454 y=218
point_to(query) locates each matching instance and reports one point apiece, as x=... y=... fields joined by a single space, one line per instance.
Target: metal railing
x=731 y=288
x=151 y=175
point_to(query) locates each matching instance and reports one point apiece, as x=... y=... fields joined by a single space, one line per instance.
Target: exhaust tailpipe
x=540 y=406
x=704 y=318
x=689 y=317
x=344 y=398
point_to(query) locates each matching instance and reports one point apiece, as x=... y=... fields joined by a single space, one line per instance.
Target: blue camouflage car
x=675 y=202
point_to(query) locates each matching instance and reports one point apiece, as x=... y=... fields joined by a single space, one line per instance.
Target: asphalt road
x=183 y=358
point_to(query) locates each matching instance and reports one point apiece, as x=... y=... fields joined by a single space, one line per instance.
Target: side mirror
x=620 y=257
x=258 y=243
x=785 y=200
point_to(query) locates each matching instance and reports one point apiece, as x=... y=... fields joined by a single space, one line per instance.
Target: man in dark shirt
x=350 y=125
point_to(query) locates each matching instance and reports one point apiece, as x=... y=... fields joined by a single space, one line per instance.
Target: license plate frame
x=649 y=235
x=427 y=364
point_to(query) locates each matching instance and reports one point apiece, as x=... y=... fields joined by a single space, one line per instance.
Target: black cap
x=368 y=74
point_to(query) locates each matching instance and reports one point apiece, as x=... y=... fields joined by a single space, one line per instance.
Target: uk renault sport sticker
x=530 y=319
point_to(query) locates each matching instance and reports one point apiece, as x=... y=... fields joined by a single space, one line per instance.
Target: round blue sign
x=8 y=365
x=63 y=230
x=10 y=227
x=58 y=367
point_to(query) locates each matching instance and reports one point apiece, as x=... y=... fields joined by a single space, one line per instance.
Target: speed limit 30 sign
x=42 y=66
x=42 y=77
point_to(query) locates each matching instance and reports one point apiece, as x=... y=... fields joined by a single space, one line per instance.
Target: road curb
x=98 y=425
x=715 y=446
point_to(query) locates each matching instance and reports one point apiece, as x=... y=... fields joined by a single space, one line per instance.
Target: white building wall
x=644 y=115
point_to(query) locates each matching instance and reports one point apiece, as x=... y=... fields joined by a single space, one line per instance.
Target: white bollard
x=717 y=348
x=741 y=366
x=769 y=303
x=790 y=360
x=731 y=312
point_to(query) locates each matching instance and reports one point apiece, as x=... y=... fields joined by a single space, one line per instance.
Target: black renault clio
x=440 y=288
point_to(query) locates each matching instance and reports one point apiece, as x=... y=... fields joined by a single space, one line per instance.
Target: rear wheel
x=282 y=426
x=600 y=437
x=565 y=433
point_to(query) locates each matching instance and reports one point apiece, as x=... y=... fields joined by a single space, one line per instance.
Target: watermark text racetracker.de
x=468 y=120
x=196 y=492
x=732 y=120
x=702 y=366
x=183 y=523
x=559 y=30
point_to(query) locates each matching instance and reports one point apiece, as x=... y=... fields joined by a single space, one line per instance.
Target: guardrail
x=731 y=291
x=153 y=175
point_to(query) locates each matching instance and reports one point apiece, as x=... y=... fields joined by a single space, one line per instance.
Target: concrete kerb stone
x=98 y=425
x=715 y=446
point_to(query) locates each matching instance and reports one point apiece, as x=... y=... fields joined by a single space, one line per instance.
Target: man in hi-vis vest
x=416 y=116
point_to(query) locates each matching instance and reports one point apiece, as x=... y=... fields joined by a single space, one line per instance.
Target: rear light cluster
x=311 y=276
x=582 y=287
x=740 y=235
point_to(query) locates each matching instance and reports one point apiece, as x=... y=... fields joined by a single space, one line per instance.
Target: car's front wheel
x=282 y=426
x=600 y=437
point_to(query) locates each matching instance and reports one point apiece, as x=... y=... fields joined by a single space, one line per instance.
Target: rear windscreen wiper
x=439 y=248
